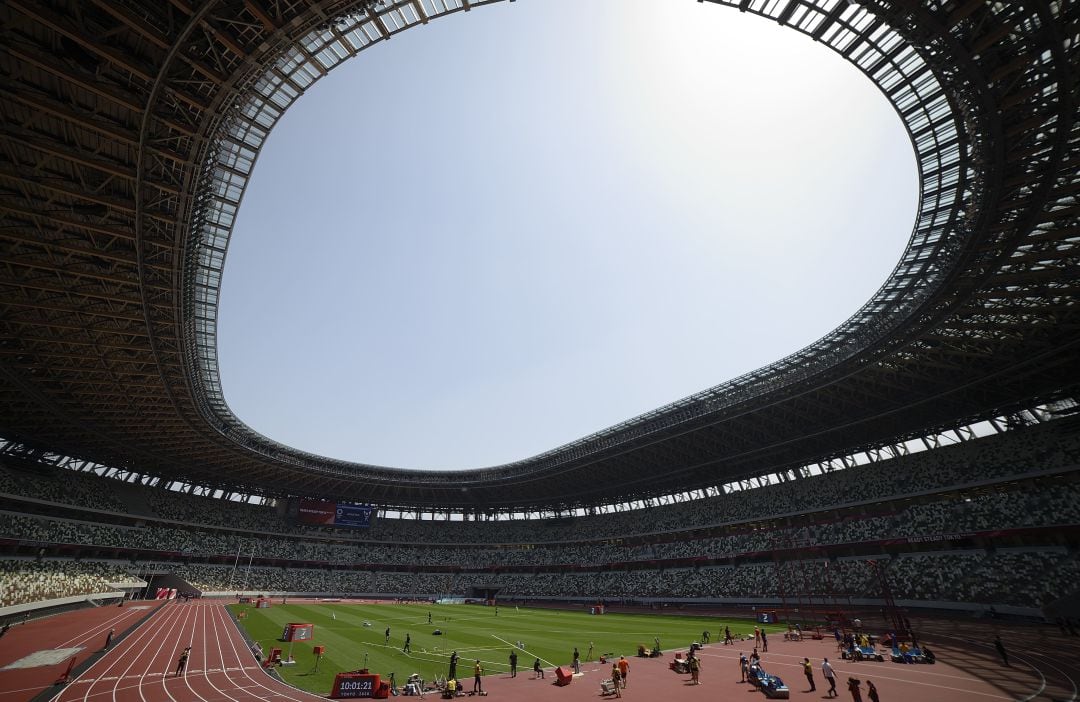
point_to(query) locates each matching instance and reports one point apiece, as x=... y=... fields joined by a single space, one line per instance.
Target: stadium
x=919 y=463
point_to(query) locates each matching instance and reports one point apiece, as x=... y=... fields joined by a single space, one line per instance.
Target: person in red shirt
x=624 y=669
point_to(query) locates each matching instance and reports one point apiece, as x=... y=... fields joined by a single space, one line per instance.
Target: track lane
x=100 y=631
x=248 y=668
x=105 y=669
x=82 y=631
x=220 y=667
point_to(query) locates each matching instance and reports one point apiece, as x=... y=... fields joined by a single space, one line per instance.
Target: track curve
x=142 y=668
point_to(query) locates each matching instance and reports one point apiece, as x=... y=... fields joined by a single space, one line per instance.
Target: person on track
x=181 y=662
x=808 y=671
x=109 y=638
x=538 y=671
x=513 y=663
x=624 y=670
x=853 y=686
x=830 y=677
x=1001 y=650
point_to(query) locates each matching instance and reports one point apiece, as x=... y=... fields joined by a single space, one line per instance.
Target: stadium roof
x=130 y=130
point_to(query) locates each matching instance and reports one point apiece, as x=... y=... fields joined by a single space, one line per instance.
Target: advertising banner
x=317 y=512
x=353 y=515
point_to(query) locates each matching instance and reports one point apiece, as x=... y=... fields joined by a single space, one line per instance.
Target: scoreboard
x=345 y=514
x=353 y=515
x=357 y=685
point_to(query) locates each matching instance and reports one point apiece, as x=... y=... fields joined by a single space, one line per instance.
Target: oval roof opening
x=523 y=224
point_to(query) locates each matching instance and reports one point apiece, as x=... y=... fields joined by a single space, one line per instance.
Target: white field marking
x=128 y=643
x=99 y=629
x=444 y=658
x=240 y=667
x=1042 y=684
x=147 y=631
x=232 y=634
x=142 y=633
x=156 y=662
x=112 y=660
x=221 y=618
x=426 y=659
x=1042 y=678
x=1072 y=697
x=417 y=654
x=23 y=689
x=206 y=657
x=215 y=625
x=460 y=648
x=191 y=642
x=547 y=662
x=126 y=677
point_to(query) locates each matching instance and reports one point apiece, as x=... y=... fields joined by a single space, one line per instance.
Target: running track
x=220 y=667
x=81 y=632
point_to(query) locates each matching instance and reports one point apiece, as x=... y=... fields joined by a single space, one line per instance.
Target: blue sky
x=515 y=226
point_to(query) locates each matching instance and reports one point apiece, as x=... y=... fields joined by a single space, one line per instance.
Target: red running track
x=220 y=667
x=81 y=632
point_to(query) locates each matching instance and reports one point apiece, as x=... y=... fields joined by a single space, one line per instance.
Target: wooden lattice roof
x=129 y=129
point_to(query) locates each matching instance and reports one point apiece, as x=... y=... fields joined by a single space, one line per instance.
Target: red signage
x=355 y=685
x=317 y=512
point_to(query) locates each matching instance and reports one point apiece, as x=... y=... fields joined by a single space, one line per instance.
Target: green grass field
x=473 y=631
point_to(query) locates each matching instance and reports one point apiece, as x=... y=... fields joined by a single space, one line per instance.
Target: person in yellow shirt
x=808 y=671
x=477 y=683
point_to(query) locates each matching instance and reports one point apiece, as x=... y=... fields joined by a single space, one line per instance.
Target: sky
x=513 y=227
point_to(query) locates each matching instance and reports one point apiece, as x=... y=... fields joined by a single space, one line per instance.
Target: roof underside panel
x=129 y=131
